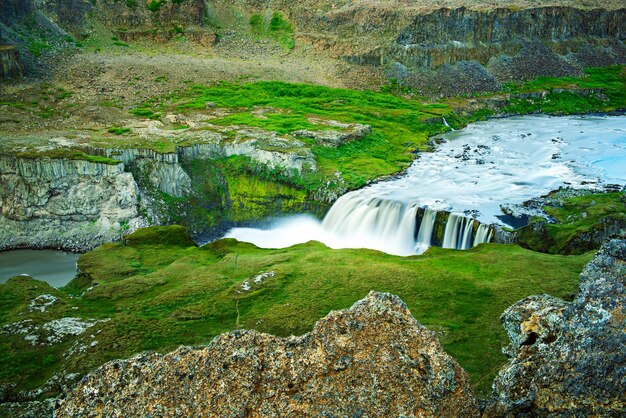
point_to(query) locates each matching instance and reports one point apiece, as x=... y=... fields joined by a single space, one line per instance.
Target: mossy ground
x=160 y=291
x=274 y=26
x=575 y=217
x=400 y=126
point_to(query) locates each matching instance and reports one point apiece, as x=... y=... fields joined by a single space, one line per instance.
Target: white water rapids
x=472 y=173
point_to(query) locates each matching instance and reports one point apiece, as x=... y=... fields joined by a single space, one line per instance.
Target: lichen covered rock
x=373 y=359
x=569 y=358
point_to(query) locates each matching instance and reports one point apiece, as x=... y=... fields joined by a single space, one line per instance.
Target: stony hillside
x=371 y=359
x=436 y=48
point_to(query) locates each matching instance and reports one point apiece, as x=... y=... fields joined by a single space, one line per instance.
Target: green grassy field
x=160 y=291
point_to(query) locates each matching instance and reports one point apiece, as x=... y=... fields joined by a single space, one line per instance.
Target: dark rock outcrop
x=9 y=64
x=15 y=9
x=373 y=359
x=445 y=36
x=568 y=359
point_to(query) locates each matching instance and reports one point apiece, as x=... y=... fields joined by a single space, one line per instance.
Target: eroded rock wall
x=68 y=204
x=9 y=64
x=77 y=205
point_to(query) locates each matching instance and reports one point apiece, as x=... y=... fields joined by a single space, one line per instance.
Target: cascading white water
x=370 y=221
x=458 y=233
x=425 y=234
x=366 y=221
x=478 y=169
x=483 y=234
x=446 y=124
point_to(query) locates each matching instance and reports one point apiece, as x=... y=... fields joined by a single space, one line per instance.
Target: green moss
x=155 y=5
x=161 y=291
x=277 y=28
x=145 y=112
x=38 y=46
x=277 y=122
x=66 y=154
x=577 y=219
x=610 y=81
x=401 y=126
x=175 y=236
x=119 y=131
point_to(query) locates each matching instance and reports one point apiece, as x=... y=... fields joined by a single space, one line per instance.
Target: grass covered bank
x=160 y=291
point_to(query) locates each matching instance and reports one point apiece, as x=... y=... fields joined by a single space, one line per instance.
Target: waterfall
x=483 y=234
x=458 y=233
x=424 y=236
x=446 y=124
x=392 y=226
x=373 y=222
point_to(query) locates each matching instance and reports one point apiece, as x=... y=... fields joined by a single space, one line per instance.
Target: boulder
x=568 y=359
x=373 y=359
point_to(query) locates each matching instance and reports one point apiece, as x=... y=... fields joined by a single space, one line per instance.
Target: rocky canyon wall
x=78 y=204
x=68 y=204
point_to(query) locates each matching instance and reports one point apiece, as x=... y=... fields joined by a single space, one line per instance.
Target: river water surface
x=55 y=267
x=471 y=174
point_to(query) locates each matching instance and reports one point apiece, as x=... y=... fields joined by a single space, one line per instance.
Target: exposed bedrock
x=446 y=36
x=373 y=359
x=77 y=205
x=68 y=204
x=9 y=63
x=568 y=358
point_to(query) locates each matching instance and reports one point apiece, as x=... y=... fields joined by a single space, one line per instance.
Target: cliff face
x=78 y=205
x=422 y=44
x=131 y=15
x=65 y=203
x=15 y=9
x=9 y=64
x=373 y=359
x=448 y=36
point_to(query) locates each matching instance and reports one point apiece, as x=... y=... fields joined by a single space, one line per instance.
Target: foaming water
x=469 y=176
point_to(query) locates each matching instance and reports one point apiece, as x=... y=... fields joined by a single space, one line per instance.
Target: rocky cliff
x=78 y=204
x=373 y=359
x=567 y=358
x=9 y=64
x=62 y=203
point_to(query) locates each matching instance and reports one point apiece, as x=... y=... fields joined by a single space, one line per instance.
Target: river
x=469 y=176
x=55 y=267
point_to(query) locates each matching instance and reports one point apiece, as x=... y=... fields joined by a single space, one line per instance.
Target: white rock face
x=65 y=203
x=50 y=333
x=42 y=302
x=78 y=205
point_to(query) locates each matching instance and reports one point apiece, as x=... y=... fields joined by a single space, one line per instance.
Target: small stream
x=54 y=267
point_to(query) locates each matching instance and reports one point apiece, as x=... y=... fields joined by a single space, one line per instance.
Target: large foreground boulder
x=569 y=359
x=373 y=359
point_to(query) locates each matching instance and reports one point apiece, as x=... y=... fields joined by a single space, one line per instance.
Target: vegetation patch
x=601 y=90
x=119 y=131
x=160 y=291
x=276 y=28
x=65 y=154
x=580 y=223
x=400 y=126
